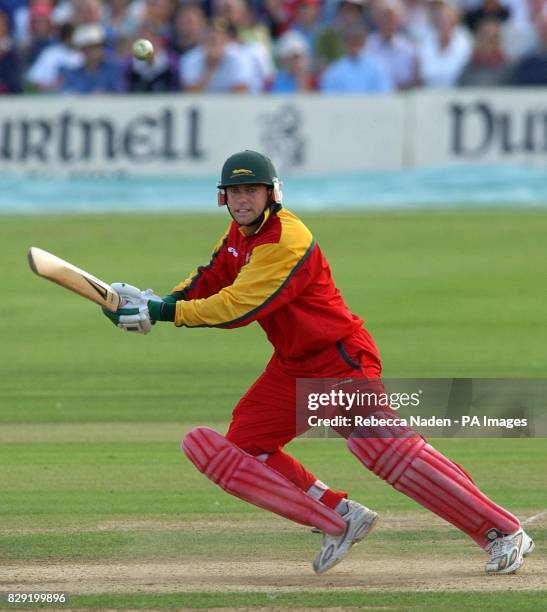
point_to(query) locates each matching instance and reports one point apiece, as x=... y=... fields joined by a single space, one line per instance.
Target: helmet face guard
x=249 y=168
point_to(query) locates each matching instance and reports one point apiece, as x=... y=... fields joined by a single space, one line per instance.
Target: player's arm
x=273 y=276
x=135 y=313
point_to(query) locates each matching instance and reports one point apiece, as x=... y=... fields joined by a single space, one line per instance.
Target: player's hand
x=132 y=314
x=133 y=295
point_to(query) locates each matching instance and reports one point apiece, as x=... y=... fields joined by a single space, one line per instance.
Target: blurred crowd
x=278 y=46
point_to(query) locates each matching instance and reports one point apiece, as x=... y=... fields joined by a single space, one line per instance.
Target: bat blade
x=70 y=277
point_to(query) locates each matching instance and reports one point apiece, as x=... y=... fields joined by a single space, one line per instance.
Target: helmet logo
x=242 y=172
x=233 y=251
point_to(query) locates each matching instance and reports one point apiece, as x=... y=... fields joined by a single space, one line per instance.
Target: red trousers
x=264 y=420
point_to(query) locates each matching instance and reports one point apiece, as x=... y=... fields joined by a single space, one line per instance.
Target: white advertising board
x=183 y=135
x=492 y=126
x=192 y=135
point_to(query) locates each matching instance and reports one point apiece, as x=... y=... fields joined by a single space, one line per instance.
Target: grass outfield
x=95 y=496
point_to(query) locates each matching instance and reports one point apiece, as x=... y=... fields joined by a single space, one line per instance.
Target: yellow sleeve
x=262 y=285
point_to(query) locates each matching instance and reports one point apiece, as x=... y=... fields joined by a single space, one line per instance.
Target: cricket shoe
x=528 y=545
x=507 y=551
x=360 y=521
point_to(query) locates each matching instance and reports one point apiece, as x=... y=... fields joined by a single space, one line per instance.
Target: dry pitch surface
x=362 y=570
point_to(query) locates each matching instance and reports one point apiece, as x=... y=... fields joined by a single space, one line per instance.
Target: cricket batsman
x=268 y=268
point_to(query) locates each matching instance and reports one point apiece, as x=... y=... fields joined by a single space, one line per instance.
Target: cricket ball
x=143 y=49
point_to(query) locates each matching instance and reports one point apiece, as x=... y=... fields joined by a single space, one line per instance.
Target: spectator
x=532 y=69
x=520 y=10
x=444 y=54
x=254 y=45
x=488 y=65
x=160 y=74
x=10 y=8
x=120 y=21
x=86 y=11
x=330 y=42
x=161 y=13
x=328 y=11
x=258 y=58
x=215 y=66
x=99 y=73
x=44 y=75
x=307 y=21
x=240 y=15
x=19 y=20
x=417 y=22
x=520 y=34
x=493 y=9
x=63 y=12
x=356 y=71
x=80 y=12
x=294 y=56
x=10 y=62
x=281 y=14
x=252 y=29
x=393 y=46
x=189 y=25
x=41 y=29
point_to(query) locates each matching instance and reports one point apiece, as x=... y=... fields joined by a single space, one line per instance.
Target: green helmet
x=247 y=167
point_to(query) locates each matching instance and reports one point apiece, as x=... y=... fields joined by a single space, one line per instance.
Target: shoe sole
x=372 y=526
x=511 y=570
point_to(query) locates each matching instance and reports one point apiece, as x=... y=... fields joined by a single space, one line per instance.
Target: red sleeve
x=206 y=280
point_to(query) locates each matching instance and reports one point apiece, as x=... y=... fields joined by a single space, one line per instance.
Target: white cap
x=88 y=34
x=292 y=43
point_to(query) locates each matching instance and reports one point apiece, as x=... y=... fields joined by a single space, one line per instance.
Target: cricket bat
x=70 y=277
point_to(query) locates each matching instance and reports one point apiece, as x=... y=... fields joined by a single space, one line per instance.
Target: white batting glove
x=132 y=314
x=133 y=295
x=127 y=293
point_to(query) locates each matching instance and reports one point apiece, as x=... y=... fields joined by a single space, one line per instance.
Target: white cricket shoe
x=360 y=521
x=528 y=545
x=507 y=552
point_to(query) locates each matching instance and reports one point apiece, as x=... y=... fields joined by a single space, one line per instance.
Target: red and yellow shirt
x=276 y=276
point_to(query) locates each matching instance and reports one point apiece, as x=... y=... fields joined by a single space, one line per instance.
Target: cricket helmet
x=246 y=168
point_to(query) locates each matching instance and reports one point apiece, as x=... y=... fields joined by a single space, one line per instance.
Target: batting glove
x=132 y=314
